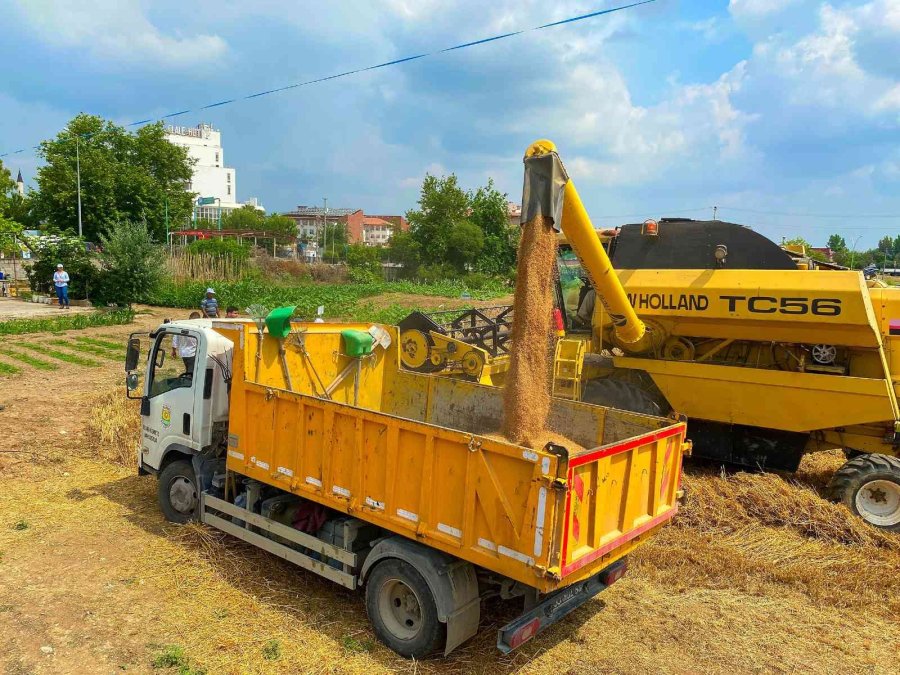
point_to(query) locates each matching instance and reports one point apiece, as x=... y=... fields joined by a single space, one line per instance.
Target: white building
x=212 y=180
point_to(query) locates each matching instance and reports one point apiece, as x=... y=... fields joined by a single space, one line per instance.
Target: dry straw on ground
x=116 y=424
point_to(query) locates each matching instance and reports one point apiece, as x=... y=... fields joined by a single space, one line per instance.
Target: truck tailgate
x=617 y=493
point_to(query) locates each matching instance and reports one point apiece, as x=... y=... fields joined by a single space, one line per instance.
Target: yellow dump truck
x=309 y=441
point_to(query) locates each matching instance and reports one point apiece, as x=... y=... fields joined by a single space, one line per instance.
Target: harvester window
x=173 y=363
x=574 y=287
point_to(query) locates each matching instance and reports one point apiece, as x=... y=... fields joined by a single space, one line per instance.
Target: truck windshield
x=172 y=366
x=574 y=286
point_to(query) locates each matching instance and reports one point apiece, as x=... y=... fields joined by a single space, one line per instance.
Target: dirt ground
x=757 y=575
x=11 y=308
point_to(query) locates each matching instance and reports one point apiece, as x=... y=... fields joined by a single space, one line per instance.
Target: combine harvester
x=310 y=441
x=768 y=360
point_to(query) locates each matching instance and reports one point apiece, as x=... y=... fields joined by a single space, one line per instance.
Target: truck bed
x=413 y=457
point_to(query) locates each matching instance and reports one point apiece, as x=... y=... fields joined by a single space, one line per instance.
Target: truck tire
x=869 y=485
x=402 y=609
x=177 y=492
x=621 y=395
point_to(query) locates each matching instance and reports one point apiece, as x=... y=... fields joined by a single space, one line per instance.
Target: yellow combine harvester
x=713 y=321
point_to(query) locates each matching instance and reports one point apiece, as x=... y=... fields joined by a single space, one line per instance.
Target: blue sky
x=786 y=109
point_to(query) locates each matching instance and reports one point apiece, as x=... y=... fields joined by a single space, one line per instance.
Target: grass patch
x=105 y=344
x=272 y=650
x=6 y=369
x=87 y=349
x=57 y=324
x=351 y=644
x=171 y=656
x=62 y=356
x=28 y=359
x=20 y=525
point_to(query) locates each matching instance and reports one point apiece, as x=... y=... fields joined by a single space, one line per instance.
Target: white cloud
x=116 y=31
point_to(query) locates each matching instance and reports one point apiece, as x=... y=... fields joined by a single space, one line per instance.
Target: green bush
x=131 y=265
x=220 y=247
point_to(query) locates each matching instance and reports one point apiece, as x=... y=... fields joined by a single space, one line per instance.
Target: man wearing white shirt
x=61 y=281
x=186 y=347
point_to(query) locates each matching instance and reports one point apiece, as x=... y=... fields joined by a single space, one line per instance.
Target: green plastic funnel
x=279 y=321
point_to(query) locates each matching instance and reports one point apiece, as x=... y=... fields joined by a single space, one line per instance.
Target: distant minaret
x=20 y=184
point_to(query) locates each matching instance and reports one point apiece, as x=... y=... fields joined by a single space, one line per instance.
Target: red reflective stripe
x=626 y=445
x=615 y=543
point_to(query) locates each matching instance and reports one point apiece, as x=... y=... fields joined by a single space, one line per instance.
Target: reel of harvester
x=457 y=342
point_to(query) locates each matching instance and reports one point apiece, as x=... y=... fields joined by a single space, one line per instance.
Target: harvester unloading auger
x=712 y=320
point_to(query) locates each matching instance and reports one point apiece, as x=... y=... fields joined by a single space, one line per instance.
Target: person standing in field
x=61 y=281
x=210 y=305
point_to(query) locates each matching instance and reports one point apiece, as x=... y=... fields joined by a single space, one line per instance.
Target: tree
x=333 y=242
x=10 y=236
x=465 y=242
x=837 y=243
x=442 y=204
x=247 y=218
x=280 y=225
x=807 y=248
x=131 y=264
x=489 y=212
x=364 y=263
x=404 y=249
x=136 y=177
x=7 y=189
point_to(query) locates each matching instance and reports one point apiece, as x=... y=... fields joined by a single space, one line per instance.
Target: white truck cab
x=184 y=408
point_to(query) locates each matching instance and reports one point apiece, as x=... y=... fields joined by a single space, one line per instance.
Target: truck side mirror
x=132 y=355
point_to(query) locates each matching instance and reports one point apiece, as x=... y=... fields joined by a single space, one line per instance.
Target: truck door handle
x=186 y=424
x=145 y=406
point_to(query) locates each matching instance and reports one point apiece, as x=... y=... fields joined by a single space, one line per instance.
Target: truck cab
x=183 y=389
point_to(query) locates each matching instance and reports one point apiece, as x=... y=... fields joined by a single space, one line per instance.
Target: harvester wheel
x=869 y=485
x=177 y=492
x=402 y=609
x=621 y=395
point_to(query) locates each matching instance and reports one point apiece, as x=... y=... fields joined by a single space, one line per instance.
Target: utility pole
x=78 y=178
x=853 y=251
x=325 y=230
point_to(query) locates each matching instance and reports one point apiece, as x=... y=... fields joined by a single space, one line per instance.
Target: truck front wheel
x=869 y=485
x=177 y=492
x=402 y=609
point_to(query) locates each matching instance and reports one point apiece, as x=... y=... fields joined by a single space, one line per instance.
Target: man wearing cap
x=210 y=305
x=61 y=281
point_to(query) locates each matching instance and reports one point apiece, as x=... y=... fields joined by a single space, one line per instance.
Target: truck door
x=168 y=409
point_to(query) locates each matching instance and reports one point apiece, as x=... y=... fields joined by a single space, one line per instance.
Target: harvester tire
x=869 y=485
x=177 y=492
x=621 y=395
x=402 y=609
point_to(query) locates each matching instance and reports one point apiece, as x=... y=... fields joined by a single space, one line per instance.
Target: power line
x=406 y=59
x=794 y=214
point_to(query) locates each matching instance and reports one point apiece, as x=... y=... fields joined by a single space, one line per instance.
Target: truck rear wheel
x=402 y=609
x=869 y=485
x=177 y=492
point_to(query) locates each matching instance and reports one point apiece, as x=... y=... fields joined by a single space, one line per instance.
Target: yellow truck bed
x=411 y=453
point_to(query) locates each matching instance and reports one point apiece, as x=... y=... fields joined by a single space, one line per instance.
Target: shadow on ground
x=286 y=588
